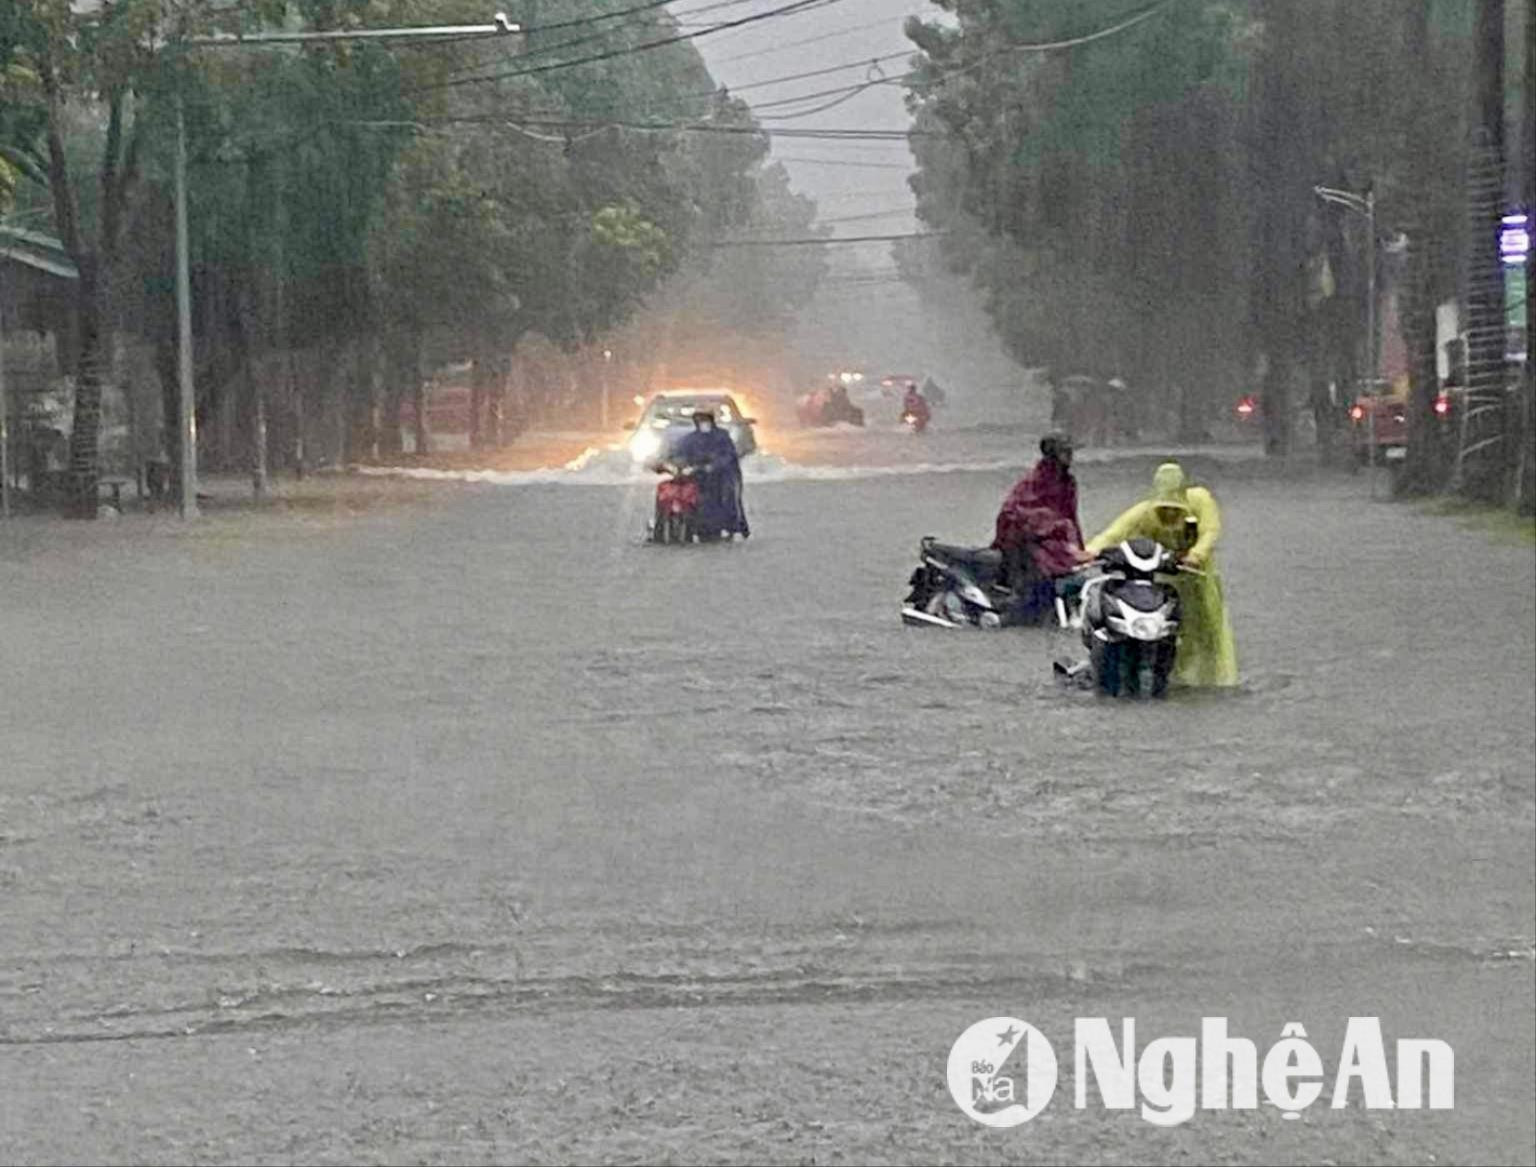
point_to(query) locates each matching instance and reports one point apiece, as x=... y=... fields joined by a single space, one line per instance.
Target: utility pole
x=187 y=430
x=1365 y=205
x=5 y=410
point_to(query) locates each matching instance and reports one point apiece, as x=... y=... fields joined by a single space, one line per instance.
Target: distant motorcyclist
x=711 y=455
x=1037 y=529
x=915 y=406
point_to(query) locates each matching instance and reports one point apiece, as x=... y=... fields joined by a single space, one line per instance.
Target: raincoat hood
x=1169 y=483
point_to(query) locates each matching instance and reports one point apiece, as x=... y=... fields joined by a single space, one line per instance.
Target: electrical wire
x=791 y=9
x=814 y=242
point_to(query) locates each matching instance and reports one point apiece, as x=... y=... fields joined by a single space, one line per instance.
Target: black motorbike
x=958 y=587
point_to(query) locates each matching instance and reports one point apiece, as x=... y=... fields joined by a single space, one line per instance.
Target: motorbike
x=955 y=587
x=1129 y=615
x=677 y=499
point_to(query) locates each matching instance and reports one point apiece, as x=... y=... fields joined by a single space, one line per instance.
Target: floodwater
x=475 y=829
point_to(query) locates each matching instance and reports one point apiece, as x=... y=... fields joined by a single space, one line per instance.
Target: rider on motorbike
x=915 y=406
x=709 y=452
x=1038 y=532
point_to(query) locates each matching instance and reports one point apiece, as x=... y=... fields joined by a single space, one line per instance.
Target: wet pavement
x=477 y=830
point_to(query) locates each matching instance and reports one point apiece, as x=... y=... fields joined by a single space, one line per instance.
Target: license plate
x=1396 y=453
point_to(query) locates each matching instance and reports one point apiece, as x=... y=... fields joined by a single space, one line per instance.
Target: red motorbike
x=677 y=499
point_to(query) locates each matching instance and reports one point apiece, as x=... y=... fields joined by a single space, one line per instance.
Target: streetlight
x=1364 y=205
x=500 y=26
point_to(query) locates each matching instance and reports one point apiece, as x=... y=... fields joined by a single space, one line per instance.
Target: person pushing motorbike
x=1185 y=519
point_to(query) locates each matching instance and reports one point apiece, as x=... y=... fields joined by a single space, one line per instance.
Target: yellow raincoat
x=1207 y=653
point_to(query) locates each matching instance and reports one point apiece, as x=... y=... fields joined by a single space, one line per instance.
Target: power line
x=908 y=210
x=810 y=40
x=791 y=9
x=822 y=133
x=846 y=162
x=813 y=242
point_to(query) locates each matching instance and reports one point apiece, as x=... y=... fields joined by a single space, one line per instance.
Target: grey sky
x=842 y=32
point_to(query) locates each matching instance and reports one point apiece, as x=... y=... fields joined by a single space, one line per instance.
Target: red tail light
x=1357 y=413
x=1245 y=406
x=1442 y=405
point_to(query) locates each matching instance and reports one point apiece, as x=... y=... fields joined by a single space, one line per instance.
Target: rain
x=767 y=581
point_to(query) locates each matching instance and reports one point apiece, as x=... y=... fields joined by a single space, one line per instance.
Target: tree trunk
x=479 y=382
x=170 y=418
x=85 y=433
x=397 y=384
x=419 y=398
x=1419 y=474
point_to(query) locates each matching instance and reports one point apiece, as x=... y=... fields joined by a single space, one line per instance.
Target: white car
x=668 y=416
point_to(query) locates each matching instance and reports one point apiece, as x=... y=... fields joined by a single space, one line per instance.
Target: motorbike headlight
x=1146 y=628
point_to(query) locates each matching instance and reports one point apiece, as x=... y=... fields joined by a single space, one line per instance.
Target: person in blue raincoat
x=709 y=451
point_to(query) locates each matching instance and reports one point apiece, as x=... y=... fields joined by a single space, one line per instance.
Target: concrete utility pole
x=1364 y=205
x=500 y=26
x=187 y=397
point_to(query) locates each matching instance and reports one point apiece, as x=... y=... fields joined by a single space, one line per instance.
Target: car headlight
x=645 y=444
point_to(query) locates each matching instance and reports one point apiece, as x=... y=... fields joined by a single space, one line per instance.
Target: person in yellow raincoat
x=1207 y=654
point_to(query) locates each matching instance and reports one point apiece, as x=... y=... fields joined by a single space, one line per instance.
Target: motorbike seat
x=974 y=556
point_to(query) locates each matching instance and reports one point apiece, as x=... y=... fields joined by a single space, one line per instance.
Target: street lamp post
x=499 y=27
x=1364 y=205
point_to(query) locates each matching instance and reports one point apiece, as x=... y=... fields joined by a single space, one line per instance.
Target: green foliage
x=354 y=197
x=1140 y=204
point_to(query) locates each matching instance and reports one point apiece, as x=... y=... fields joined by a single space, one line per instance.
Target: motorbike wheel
x=1162 y=668
x=1109 y=668
x=1133 y=660
x=676 y=529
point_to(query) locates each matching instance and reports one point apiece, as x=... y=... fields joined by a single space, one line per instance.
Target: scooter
x=954 y=587
x=1129 y=618
x=677 y=500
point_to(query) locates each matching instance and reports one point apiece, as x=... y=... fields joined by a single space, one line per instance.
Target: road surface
x=472 y=829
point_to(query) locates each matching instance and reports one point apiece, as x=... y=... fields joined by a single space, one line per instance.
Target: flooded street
x=477 y=830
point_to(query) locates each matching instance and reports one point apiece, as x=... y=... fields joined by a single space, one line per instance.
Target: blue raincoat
x=720 y=507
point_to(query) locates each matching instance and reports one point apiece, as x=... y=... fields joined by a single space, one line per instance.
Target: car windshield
x=681 y=409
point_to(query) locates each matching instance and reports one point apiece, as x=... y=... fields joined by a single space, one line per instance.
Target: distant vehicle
x=826 y=407
x=669 y=416
x=1387 y=415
